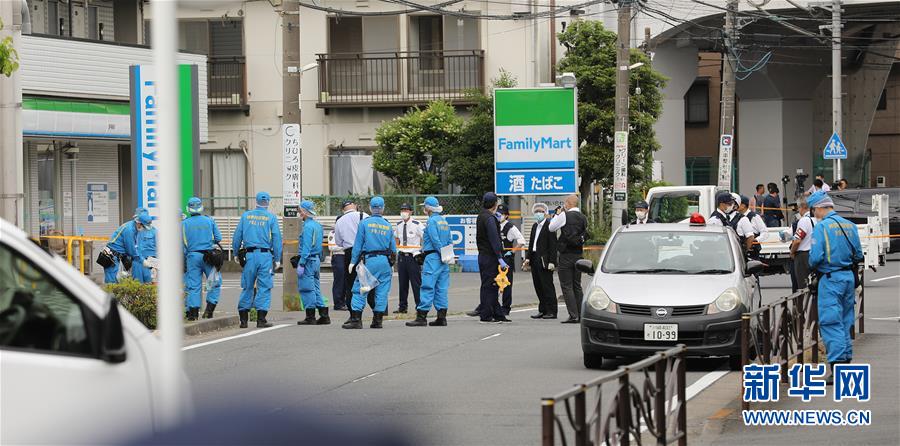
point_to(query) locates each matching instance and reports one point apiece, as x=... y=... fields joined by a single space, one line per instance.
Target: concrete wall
x=680 y=66
x=760 y=130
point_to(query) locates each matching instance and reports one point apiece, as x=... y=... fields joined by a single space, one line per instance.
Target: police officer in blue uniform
x=199 y=235
x=309 y=260
x=435 y=273
x=835 y=251
x=122 y=246
x=374 y=246
x=146 y=248
x=259 y=235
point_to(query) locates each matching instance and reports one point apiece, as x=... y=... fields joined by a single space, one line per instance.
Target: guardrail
x=657 y=403
x=782 y=331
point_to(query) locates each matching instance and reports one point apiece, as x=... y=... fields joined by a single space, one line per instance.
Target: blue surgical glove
x=503 y=264
x=300 y=271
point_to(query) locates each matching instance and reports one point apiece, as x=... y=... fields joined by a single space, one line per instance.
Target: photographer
x=572 y=227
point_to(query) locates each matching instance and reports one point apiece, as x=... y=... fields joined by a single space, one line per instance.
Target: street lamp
x=636 y=65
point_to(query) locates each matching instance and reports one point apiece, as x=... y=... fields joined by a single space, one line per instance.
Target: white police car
x=658 y=285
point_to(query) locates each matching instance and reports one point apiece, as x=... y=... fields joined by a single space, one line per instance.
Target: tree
x=472 y=165
x=591 y=56
x=413 y=149
x=9 y=58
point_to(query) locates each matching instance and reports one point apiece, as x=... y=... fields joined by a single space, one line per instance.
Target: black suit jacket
x=545 y=252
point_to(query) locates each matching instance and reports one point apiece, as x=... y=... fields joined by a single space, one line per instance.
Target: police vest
x=504 y=236
x=722 y=218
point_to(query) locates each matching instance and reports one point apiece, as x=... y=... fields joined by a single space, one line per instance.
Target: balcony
x=228 y=84
x=399 y=79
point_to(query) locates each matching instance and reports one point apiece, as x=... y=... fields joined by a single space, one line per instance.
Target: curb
x=207 y=325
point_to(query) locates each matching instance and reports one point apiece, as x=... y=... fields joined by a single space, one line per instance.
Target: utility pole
x=290 y=105
x=726 y=140
x=12 y=188
x=620 y=163
x=836 y=106
x=552 y=40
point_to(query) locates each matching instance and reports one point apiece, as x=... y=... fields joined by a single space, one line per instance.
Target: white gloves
x=551 y=267
x=277 y=265
x=350 y=268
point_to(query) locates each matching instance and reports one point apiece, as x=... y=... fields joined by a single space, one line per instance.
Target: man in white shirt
x=345 y=228
x=541 y=257
x=572 y=227
x=751 y=224
x=725 y=205
x=409 y=233
x=818 y=184
x=801 y=244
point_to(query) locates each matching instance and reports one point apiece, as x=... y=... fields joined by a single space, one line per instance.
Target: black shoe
x=549 y=316
x=244 y=316
x=208 y=313
x=340 y=308
x=421 y=320
x=489 y=321
x=376 y=319
x=829 y=381
x=537 y=316
x=324 y=319
x=506 y=311
x=570 y=320
x=441 y=320
x=261 y=321
x=503 y=319
x=400 y=311
x=355 y=321
x=193 y=314
x=310 y=317
x=473 y=313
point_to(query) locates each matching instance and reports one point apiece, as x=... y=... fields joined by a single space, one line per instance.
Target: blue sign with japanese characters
x=535 y=182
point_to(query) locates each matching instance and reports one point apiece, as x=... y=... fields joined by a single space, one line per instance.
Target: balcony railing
x=390 y=79
x=228 y=83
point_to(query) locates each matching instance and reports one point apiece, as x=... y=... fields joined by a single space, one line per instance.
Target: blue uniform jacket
x=199 y=233
x=258 y=229
x=310 y=241
x=374 y=234
x=124 y=239
x=146 y=243
x=830 y=251
x=437 y=233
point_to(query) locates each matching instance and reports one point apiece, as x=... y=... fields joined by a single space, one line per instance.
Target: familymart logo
x=534 y=144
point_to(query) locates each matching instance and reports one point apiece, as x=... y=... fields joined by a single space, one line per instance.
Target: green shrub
x=138 y=298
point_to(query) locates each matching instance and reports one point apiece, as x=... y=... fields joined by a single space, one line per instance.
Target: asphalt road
x=467 y=383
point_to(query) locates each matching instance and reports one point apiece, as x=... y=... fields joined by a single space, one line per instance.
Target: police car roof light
x=697 y=219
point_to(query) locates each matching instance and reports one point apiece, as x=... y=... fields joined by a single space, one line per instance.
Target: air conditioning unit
x=880 y=181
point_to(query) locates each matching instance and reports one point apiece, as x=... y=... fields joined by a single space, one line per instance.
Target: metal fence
x=330 y=205
x=781 y=332
x=399 y=78
x=657 y=403
x=227 y=82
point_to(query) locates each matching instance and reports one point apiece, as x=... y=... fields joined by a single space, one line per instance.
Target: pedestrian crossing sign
x=835 y=149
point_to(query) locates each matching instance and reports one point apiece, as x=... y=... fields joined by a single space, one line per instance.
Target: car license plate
x=660 y=332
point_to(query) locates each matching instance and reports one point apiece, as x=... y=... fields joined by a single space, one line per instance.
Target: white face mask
x=405 y=215
x=641 y=214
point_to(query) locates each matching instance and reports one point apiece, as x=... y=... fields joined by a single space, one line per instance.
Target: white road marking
x=242 y=335
x=533 y=308
x=491 y=336
x=885 y=278
x=364 y=377
x=892 y=318
x=704 y=382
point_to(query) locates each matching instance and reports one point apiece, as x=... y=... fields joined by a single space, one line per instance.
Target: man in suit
x=541 y=257
x=642 y=213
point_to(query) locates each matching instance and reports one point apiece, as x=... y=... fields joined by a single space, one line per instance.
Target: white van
x=74 y=369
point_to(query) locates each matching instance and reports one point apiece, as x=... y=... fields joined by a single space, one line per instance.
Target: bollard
x=547 y=422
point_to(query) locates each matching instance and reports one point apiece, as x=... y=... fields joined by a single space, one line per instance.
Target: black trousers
x=506 y=303
x=410 y=274
x=339 y=269
x=570 y=282
x=544 y=288
x=490 y=302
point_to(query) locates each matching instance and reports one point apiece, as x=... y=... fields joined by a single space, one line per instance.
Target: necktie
x=404 y=233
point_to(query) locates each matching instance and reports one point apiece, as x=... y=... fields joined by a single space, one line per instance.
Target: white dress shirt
x=804 y=232
x=346 y=227
x=759 y=225
x=414 y=230
x=559 y=220
x=537 y=234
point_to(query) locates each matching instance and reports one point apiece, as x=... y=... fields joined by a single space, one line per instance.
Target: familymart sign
x=535 y=141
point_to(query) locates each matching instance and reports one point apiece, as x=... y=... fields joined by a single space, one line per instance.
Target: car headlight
x=599 y=300
x=727 y=301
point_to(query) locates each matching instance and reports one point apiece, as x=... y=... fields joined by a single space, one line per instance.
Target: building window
x=352 y=173
x=696 y=103
x=882 y=101
x=223 y=175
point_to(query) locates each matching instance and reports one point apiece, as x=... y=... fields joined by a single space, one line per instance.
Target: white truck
x=74 y=369
x=669 y=204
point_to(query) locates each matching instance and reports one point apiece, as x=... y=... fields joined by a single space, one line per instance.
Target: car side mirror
x=586 y=266
x=754 y=267
x=113 y=337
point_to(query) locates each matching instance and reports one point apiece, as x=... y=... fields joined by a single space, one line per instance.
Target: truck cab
x=75 y=368
x=675 y=204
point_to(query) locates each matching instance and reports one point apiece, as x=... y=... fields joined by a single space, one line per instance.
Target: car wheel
x=593 y=361
x=735 y=363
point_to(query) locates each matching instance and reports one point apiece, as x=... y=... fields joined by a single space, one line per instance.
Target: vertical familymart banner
x=144 y=138
x=535 y=141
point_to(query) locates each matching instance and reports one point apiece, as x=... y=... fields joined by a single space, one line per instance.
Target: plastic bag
x=213 y=279
x=447 y=255
x=123 y=273
x=367 y=281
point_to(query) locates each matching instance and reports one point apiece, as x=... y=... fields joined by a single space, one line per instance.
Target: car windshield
x=673 y=207
x=668 y=252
